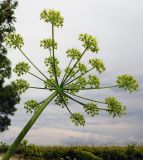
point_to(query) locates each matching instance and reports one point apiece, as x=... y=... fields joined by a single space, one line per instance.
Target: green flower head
x=114 y=107
x=48 y=44
x=14 y=40
x=73 y=53
x=31 y=106
x=81 y=67
x=89 y=42
x=98 y=64
x=127 y=82
x=21 y=68
x=91 y=109
x=77 y=119
x=20 y=85
x=93 y=81
x=52 y=16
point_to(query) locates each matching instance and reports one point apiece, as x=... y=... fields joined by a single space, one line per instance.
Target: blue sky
x=117 y=25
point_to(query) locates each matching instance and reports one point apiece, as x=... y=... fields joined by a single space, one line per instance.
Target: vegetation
x=130 y=152
x=8 y=96
x=67 y=86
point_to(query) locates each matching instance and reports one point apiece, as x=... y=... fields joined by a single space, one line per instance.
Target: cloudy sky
x=118 y=27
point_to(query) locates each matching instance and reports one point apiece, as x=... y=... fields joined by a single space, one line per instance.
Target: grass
x=26 y=150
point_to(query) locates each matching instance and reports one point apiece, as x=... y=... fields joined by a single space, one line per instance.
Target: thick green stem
x=22 y=134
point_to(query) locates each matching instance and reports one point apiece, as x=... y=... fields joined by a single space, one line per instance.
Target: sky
x=117 y=26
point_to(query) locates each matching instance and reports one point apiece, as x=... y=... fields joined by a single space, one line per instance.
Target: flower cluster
x=81 y=82
x=48 y=84
x=127 y=82
x=91 y=109
x=81 y=67
x=20 y=85
x=52 y=63
x=89 y=42
x=93 y=81
x=77 y=85
x=52 y=16
x=61 y=100
x=48 y=44
x=21 y=68
x=98 y=64
x=77 y=119
x=31 y=106
x=14 y=40
x=70 y=71
x=73 y=88
x=114 y=107
x=73 y=53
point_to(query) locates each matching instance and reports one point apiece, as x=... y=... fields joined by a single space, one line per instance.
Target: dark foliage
x=8 y=97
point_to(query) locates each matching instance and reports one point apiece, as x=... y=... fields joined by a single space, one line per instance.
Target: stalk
x=88 y=99
x=34 y=66
x=66 y=83
x=54 y=66
x=65 y=72
x=108 y=87
x=74 y=66
x=72 y=76
x=36 y=76
x=30 y=123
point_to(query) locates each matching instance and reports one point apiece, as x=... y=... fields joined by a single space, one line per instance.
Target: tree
x=74 y=80
x=8 y=96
